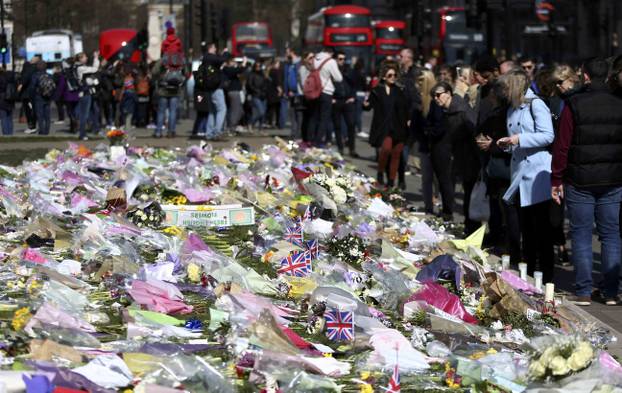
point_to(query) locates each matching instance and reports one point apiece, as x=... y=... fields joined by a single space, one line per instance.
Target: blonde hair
x=564 y=71
x=425 y=83
x=515 y=84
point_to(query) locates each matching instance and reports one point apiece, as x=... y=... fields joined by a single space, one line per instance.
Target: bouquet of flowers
x=116 y=137
x=560 y=356
x=339 y=187
x=350 y=249
x=150 y=216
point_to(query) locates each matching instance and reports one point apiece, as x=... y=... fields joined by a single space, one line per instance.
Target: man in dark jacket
x=343 y=107
x=218 y=108
x=39 y=97
x=28 y=71
x=587 y=173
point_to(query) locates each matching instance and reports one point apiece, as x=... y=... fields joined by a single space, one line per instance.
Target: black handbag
x=498 y=168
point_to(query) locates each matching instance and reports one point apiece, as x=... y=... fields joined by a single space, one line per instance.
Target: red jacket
x=172 y=44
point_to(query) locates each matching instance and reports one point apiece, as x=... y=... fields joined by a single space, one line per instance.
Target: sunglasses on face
x=341 y=59
x=438 y=94
x=559 y=82
x=391 y=75
x=527 y=67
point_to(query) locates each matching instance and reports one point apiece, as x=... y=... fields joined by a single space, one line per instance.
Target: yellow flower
x=581 y=357
x=173 y=230
x=559 y=366
x=194 y=272
x=268 y=256
x=366 y=388
x=537 y=369
x=20 y=318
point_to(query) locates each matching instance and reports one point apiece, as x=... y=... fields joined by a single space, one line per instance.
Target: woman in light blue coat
x=530 y=132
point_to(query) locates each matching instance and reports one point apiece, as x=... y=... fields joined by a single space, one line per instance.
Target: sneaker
x=201 y=134
x=363 y=135
x=59 y=122
x=84 y=138
x=30 y=130
x=151 y=126
x=612 y=301
x=580 y=300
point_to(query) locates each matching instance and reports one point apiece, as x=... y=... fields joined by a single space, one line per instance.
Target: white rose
x=548 y=355
x=537 y=369
x=581 y=357
x=339 y=195
x=559 y=366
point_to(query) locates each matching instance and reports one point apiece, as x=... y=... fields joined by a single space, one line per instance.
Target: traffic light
x=4 y=43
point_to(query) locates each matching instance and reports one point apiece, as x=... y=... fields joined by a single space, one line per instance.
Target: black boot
x=391 y=183
x=380 y=178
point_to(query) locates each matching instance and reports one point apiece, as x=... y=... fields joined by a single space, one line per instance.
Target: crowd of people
x=527 y=142
x=524 y=142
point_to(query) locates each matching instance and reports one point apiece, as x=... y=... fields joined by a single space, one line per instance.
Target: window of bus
x=347 y=20
x=255 y=32
x=389 y=33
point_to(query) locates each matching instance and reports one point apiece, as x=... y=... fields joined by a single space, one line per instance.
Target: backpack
x=172 y=80
x=10 y=92
x=173 y=59
x=46 y=87
x=312 y=88
x=71 y=78
x=207 y=77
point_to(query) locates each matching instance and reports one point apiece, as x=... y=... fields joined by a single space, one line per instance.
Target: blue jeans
x=259 y=111
x=171 y=104
x=128 y=106
x=216 y=118
x=585 y=205
x=6 y=118
x=84 y=109
x=283 y=112
x=42 y=109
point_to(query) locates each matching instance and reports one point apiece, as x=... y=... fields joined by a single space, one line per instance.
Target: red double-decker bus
x=389 y=37
x=119 y=44
x=346 y=28
x=252 y=39
x=454 y=41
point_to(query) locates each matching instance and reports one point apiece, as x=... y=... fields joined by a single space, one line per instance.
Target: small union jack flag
x=307 y=215
x=394 y=381
x=294 y=234
x=297 y=264
x=313 y=248
x=339 y=325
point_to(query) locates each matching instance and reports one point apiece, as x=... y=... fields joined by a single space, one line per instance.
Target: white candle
x=522 y=268
x=549 y=292
x=505 y=262
x=537 y=276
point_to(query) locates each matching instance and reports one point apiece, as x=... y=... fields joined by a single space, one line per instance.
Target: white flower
x=559 y=366
x=581 y=357
x=497 y=325
x=339 y=195
x=537 y=369
x=548 y=355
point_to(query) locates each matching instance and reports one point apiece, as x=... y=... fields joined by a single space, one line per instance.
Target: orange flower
x=84 y=151
x=115 y=134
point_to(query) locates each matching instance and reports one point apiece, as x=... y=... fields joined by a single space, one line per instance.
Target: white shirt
x=329 y=73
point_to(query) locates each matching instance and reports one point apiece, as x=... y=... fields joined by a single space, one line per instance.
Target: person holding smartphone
x=530 y=132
